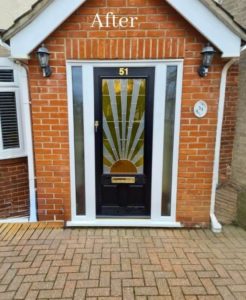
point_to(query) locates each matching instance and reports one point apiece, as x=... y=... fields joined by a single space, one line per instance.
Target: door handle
x=96 y=125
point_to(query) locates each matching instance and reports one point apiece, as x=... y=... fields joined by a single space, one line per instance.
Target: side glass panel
x=123 y=102
x=168 y=139
x=78 y=139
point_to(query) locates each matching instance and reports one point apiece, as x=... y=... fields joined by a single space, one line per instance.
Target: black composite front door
x=123 y=135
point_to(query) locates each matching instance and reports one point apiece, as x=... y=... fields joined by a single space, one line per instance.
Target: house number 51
x=123 y=71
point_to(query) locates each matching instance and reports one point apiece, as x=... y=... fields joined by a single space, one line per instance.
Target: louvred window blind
x=8 y=121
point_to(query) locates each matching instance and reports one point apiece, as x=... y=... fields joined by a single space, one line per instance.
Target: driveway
x=43 y=261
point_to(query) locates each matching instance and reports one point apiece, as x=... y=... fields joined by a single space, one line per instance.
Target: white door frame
x=90 y=219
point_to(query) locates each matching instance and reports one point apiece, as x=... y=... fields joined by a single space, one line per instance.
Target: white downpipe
x=216 y=226
x=24 y=88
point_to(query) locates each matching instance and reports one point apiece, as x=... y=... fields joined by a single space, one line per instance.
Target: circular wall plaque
x=200 y=109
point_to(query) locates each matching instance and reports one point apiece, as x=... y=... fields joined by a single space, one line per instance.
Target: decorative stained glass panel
x=123 y=102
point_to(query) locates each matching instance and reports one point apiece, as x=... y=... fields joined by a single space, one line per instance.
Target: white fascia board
x=42 y=26
x=209 y=26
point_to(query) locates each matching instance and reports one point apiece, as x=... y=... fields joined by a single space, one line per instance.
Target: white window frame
x=5 y=64
x=156 y=219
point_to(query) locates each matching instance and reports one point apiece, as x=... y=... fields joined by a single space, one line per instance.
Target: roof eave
x=25 y=19
x=25 y=35
x=226 y=18
x=217 y=32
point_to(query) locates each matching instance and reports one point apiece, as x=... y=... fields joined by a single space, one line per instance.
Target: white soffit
x=197 y=14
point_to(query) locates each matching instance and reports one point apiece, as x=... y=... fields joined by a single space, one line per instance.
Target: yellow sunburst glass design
x=123 y=125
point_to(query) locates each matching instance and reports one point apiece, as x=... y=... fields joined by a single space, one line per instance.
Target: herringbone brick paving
x=39 y=261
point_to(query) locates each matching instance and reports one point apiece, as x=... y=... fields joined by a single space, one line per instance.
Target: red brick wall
x=229 y=123
x=14 y=189
x=161 y=33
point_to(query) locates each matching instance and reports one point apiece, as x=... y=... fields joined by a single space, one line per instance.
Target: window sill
x=12 y=156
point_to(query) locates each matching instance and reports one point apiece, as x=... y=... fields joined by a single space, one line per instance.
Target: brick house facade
x=14 y=188
x=14 y=179
x=231 y=200
x=49 y=101
x=238 y=9
x=161 y=34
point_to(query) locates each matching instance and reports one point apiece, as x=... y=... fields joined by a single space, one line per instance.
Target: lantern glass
x=43 y=59
x=43 y=56
x=207 y=59
x=208 y=54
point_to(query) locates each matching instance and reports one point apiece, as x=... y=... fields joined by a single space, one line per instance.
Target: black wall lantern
x=208 y=54
x=43 y=57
